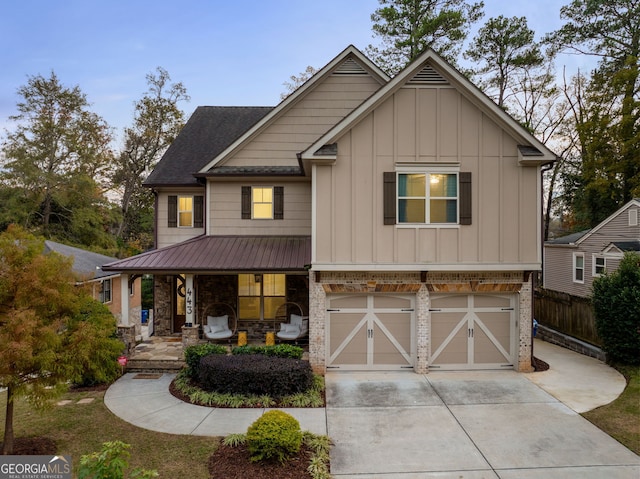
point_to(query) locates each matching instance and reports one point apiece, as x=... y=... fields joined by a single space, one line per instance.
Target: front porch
x=158 y=354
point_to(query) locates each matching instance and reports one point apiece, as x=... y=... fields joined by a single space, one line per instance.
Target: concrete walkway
x=580 y=382
x=480 y=424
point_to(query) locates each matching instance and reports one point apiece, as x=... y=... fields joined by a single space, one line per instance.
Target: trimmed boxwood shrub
x=254 y=374
x=193 y=355
x=274 y=435
x=278 y=350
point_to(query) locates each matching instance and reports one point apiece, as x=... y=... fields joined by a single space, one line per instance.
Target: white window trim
x=427 y=170
x=101 y=293
x=185 y=211
x=595 y=257
x=573 y=271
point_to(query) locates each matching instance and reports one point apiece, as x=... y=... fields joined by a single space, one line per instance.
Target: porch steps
x=154 y=365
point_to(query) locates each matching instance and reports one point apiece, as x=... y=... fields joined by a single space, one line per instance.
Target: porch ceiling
x=223 y=253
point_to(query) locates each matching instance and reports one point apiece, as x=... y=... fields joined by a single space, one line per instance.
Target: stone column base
x=127 y=334
x=190 y=335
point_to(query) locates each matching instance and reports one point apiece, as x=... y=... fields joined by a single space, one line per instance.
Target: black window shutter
x=198 y=211
x=465 y=197
x=246 y=202
x=278 y=202
x=173 y=212
x=389 y=193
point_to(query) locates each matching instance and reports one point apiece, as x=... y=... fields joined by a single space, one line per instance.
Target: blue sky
x=225 y=52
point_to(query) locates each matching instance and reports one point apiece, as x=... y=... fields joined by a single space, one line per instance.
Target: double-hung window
x=428 y=197
x=578 y=267
x=599 y=265
x=262 y=202
x=185 y=211
x=105 y=291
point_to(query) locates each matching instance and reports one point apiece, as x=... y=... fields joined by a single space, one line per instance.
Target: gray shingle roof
x=86 y=264
x=568 y=239
x=206 y=134
x=633 y=245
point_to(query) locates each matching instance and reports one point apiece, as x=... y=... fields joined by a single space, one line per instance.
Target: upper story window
x=427 y=196
x=105 y=291
x=185 y=211
x=263 y=202
x=578 y=267
x=599 y=265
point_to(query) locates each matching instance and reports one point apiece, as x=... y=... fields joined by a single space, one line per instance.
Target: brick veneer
x=422 y=285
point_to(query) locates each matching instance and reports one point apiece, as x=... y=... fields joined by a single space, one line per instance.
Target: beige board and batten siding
x=169 y=236
x=225 y=209
x=301 y=124
x=427 y=126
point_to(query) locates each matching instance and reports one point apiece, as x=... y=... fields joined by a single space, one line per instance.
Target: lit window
x=578 y=268
x=185 y=211
x=429 y=197
x=260 y=295
x=262 y=202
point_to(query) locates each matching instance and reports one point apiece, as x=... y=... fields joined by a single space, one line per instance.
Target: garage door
x=370 y=331
x=473 y=331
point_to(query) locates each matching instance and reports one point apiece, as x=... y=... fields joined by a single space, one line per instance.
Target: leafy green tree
x=57 y=142
x=94 y=339
x=408 y=27
x=502 y=49
x=608 y=123
x=616 y=303
x=42 y=346
x=111 y=463
x=156 y=123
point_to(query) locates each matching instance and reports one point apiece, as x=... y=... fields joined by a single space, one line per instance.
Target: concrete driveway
x=463 y=425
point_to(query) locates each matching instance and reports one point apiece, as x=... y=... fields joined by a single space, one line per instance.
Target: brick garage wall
x=422 y=285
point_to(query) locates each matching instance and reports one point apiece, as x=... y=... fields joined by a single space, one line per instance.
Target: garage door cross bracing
x=371 y=331
x=472 y=331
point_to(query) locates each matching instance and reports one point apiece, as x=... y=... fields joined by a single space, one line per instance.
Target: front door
x=370 y=331
x=179 y=304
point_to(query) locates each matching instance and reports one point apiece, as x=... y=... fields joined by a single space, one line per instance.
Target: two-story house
x=403 y=214
x=572 y=262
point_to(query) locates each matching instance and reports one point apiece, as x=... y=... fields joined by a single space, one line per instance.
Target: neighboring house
x=572 y=262
x=110 y=288
x=403 y=214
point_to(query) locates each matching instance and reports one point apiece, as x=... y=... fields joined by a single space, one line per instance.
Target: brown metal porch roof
x=223 y=253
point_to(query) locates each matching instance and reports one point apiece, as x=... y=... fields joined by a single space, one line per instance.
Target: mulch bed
x=539 y=364
x=234 y=463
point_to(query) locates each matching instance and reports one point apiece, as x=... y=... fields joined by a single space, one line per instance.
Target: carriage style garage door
x=371 y=331
x=473 y=331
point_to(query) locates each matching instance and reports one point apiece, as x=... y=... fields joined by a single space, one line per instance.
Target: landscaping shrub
x=278 y=350
x=275 y=435
x=616 y=304
x=254 y=374
x=193 y=355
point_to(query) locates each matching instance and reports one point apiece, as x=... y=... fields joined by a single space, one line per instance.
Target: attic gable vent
x=428 y=76
x=350 y=67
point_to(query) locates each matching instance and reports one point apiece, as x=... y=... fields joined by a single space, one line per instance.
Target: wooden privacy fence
x=568 y=314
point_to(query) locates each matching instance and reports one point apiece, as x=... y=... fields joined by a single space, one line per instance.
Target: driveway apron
x=463 y=425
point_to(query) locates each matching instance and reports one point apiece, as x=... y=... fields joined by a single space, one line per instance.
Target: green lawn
x=79 y=429
x=621 y=418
